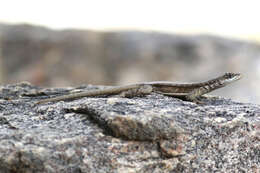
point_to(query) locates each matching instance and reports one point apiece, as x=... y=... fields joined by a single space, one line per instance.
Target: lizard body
x=188 y=91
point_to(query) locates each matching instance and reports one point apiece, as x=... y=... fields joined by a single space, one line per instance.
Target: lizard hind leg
x=140 y=91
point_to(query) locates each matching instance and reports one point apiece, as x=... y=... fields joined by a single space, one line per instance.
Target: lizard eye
x=229 y=75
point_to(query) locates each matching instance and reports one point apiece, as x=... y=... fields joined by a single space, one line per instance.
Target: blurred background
x=71 y=43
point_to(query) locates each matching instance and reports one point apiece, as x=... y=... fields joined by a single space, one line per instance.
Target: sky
x=231 y=18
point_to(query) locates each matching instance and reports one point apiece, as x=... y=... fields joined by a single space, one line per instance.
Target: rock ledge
x=142 y=134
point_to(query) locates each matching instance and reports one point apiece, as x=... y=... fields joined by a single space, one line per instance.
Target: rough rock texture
x=154 y=133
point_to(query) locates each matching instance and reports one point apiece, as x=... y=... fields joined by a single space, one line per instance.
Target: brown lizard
x=187 y=91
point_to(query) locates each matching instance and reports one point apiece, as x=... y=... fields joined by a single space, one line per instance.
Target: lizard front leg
x=194 y=98
x=195 y=94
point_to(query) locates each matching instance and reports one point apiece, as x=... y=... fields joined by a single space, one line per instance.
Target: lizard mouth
x=237 y=76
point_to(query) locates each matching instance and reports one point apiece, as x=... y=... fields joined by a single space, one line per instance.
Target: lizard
x=187 y=91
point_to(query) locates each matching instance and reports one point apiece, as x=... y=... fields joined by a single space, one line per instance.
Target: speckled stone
x=154 y=133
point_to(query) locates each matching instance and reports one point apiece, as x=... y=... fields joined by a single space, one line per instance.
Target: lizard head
x=230 y=77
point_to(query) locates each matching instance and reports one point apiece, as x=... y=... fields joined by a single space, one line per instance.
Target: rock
x=154 y=133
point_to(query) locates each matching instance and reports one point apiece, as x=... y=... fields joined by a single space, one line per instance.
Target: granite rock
x=154 y=133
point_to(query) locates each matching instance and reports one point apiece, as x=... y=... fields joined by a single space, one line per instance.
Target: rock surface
x=154 y=133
